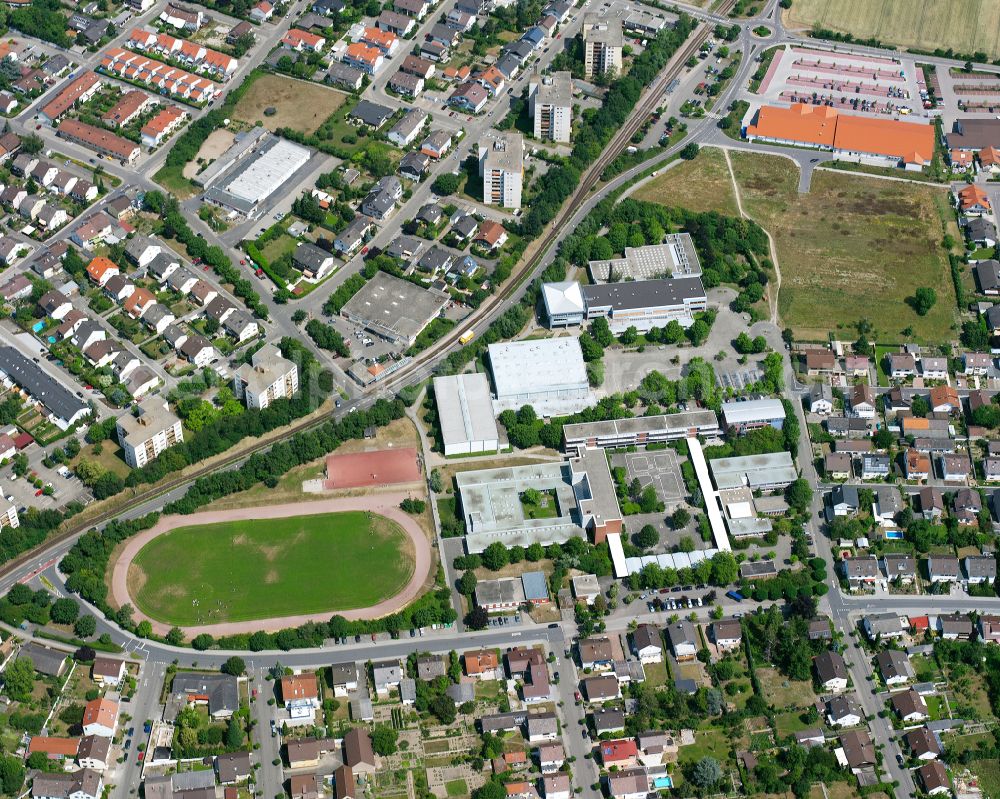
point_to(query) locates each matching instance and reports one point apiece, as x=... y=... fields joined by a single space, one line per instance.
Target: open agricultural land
x=296 y=565
x=966 y=27
x=297 y=104
x=870 y=243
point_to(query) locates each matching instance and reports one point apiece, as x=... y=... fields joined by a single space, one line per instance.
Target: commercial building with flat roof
x=768 y=472
x=465 y=414
x=641 y=430
x=645 y=304
x=250 y=180
x=752 y=414
x=550 y=104
x=548 y=374
x=675 y=257
x=393 y=308
x=581 y=488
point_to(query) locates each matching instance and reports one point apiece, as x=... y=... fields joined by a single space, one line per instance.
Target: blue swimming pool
x=894 y=535
x=663 y=782
x=38 y=326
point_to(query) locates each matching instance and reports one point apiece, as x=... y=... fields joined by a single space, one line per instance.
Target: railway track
x=422 y=365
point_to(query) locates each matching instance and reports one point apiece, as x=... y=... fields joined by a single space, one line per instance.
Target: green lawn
x=237 y=571
x=456 y=788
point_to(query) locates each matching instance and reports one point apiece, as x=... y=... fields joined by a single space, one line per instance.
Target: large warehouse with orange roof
x=854 y=137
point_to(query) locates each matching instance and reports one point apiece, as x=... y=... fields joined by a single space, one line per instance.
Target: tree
x=923 y=300
x=234 y=666
x=920 y=406
x=19 y=679
x=690 y=151
x=85 y=626
x=445 y=184
x=706 y=773
x=630 y=336
x=32 y=144
x=467 y=583
x=384 y=739
x=495 y=556
x=477 y=618
x=601 y=331
x=535 y=552
x=175 y=636
x=443 y=708
x=234 y=734
x=883 y=439
x=680 y=519
x=64 y=610
x=725 y=570
x=799 y=495
x=647 y=537
x=11 y=775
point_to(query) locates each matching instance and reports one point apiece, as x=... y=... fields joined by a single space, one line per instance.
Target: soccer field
x=966 y=26
x=245 y=570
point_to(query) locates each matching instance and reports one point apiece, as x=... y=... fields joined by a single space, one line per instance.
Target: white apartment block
x=8 y=514
x=551 y=106
x=267 y=377
x=602 y=45
x=145 y=436
x=501 y=165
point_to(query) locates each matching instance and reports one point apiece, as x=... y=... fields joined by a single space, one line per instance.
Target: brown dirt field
x=300 y=105
x=216 y=144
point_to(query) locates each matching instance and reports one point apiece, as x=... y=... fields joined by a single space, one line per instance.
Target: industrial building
x=550 y=102
x=548 y=374
x=768 y=472
x=602 y=44
x=465 y=414
x=752 y=414
x=564 y=303
x=581 y=487
x=393 y=308
x=61 y=406
x=641 y=430
x=254 y=168
x=268 y=377
x=501 y=166
x=645 y=304
x=145 y=435
x=676 y=257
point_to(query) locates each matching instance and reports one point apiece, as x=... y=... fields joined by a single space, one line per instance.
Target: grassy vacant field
x=782 y=692
x=702 y=184
x=852 y=248
x=275 y=567
x=298 y=104
x=966 y=27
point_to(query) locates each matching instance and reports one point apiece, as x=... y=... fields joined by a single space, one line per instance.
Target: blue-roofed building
x=536 y=588
x=468 y=266
x=534 y=35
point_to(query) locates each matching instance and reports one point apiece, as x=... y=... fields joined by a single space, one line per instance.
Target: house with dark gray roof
x=50 y=662
x=371 y=114
x=219 y=692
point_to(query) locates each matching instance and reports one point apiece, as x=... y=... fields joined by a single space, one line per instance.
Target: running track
x=385 y=504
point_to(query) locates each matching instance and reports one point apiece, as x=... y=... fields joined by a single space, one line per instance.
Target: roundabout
x=266 y=568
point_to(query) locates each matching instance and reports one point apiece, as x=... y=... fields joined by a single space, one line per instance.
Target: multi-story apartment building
x=267 y=377
x=551 y=106
x=602 y=45
x=145 y=436
x=501 y=165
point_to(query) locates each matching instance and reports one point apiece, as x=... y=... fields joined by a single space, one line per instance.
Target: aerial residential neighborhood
x=499 y=399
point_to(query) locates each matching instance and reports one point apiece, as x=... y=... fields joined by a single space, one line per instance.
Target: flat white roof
x=617 y=554
x=465 y=410
x=267 y=170
x=537 y=366
x=711 y=496
x=752 y=410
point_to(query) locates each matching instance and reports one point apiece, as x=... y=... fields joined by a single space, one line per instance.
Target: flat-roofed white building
x=675 y=257
x=145 y=436
x=548 y=374
x=758 y=472
x=645 y=304
x=602 y=44
x=269 y=376
x=551 y=106
x=753 y=414
x=465 y=414
x=641 y=430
